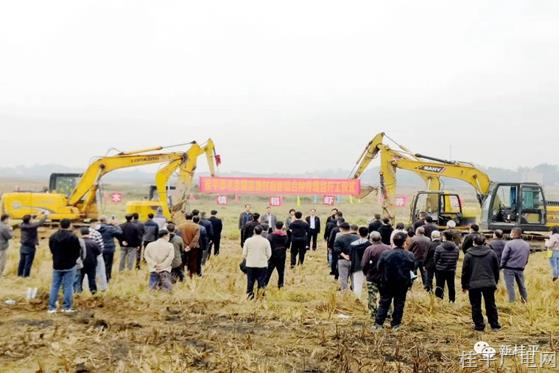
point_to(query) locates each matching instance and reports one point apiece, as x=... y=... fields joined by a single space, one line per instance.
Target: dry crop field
x=207 y=325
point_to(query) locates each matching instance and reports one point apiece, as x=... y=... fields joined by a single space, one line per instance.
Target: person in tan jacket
x=190 y=234
x=256 y=251
x=159 y=258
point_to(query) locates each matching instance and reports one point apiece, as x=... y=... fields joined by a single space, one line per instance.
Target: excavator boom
x=80 y=204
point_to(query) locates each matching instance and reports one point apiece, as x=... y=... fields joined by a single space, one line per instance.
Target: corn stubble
x=207 y=325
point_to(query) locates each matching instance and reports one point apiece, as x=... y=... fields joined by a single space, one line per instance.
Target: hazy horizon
x=290 y=87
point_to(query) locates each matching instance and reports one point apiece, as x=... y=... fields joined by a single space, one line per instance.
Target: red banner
x=277 y=186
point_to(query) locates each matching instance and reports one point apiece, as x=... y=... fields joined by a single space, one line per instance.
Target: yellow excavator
x=503 y=205
x=186 y=174
x=73 y=196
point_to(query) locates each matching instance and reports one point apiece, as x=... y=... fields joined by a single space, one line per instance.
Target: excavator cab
x=441 y=206
x=63 y=183
x=512 y=205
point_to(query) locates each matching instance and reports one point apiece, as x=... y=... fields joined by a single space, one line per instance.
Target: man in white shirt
x=314 y=223
x=159 y=257
x=256 y=251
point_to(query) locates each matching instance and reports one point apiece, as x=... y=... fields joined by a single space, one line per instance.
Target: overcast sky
x=283 y=86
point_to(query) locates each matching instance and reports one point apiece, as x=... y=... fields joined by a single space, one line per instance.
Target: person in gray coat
x=6 y=234
x=268 y=219
x=419 y=246
x=514 y=260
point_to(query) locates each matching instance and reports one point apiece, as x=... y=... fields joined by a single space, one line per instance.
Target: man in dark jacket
x=29 y=242
x=141 y=232
x=375 y=224
x=369 y=263
x=480 y=275
x=65 y=248
x=150 y=234
x=331 y=223
x=446 y=257
x=497 y=244
x=419 y=246
x=177 y=265
x=151 y=231
x=342 y=249
x=429 y=226
x=130 y=243
x=469 y=238
x=109 y=232
x=203 y=242
x=299 y=233
x=332 y=257
x=429 y=263
x=385 y=231
x=279 y=242
x=92 y=250
x=245 y=217
x=356 y=251
x=248 y=229
x=206 y=223
x=394 y=267
x=314 y=228
x=421 y=221
x=217 y=227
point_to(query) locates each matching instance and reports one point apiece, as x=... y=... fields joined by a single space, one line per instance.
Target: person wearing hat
x=446 y=257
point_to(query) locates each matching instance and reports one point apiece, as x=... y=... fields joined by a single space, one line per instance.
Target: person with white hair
x=430 y=260
x=457 y=237
x=369 y=263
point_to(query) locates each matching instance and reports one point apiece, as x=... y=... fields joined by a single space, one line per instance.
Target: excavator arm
x=186 y=167
x=368 y=155
x=85 y=192
x=428 y=168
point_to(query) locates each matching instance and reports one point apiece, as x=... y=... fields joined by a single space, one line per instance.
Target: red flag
x=217 y=159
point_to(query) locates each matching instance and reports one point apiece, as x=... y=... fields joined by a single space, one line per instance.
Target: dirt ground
x=207 y=325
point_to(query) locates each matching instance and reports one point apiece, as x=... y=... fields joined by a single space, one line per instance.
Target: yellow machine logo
x=434 y=169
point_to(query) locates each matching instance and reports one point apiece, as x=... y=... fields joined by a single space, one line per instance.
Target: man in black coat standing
x=480 y=276
x=65 y=248
x=394 y=267
x=314 y=228
x=299 y=230
x=446 y=257
x=217 y=226
x=375 y=224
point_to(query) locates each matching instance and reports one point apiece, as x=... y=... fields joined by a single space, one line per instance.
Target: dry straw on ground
x=206 y=325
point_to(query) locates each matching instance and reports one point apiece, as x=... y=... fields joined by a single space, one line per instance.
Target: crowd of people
x=387 y=259
x=168 y=251
x=390 y=259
